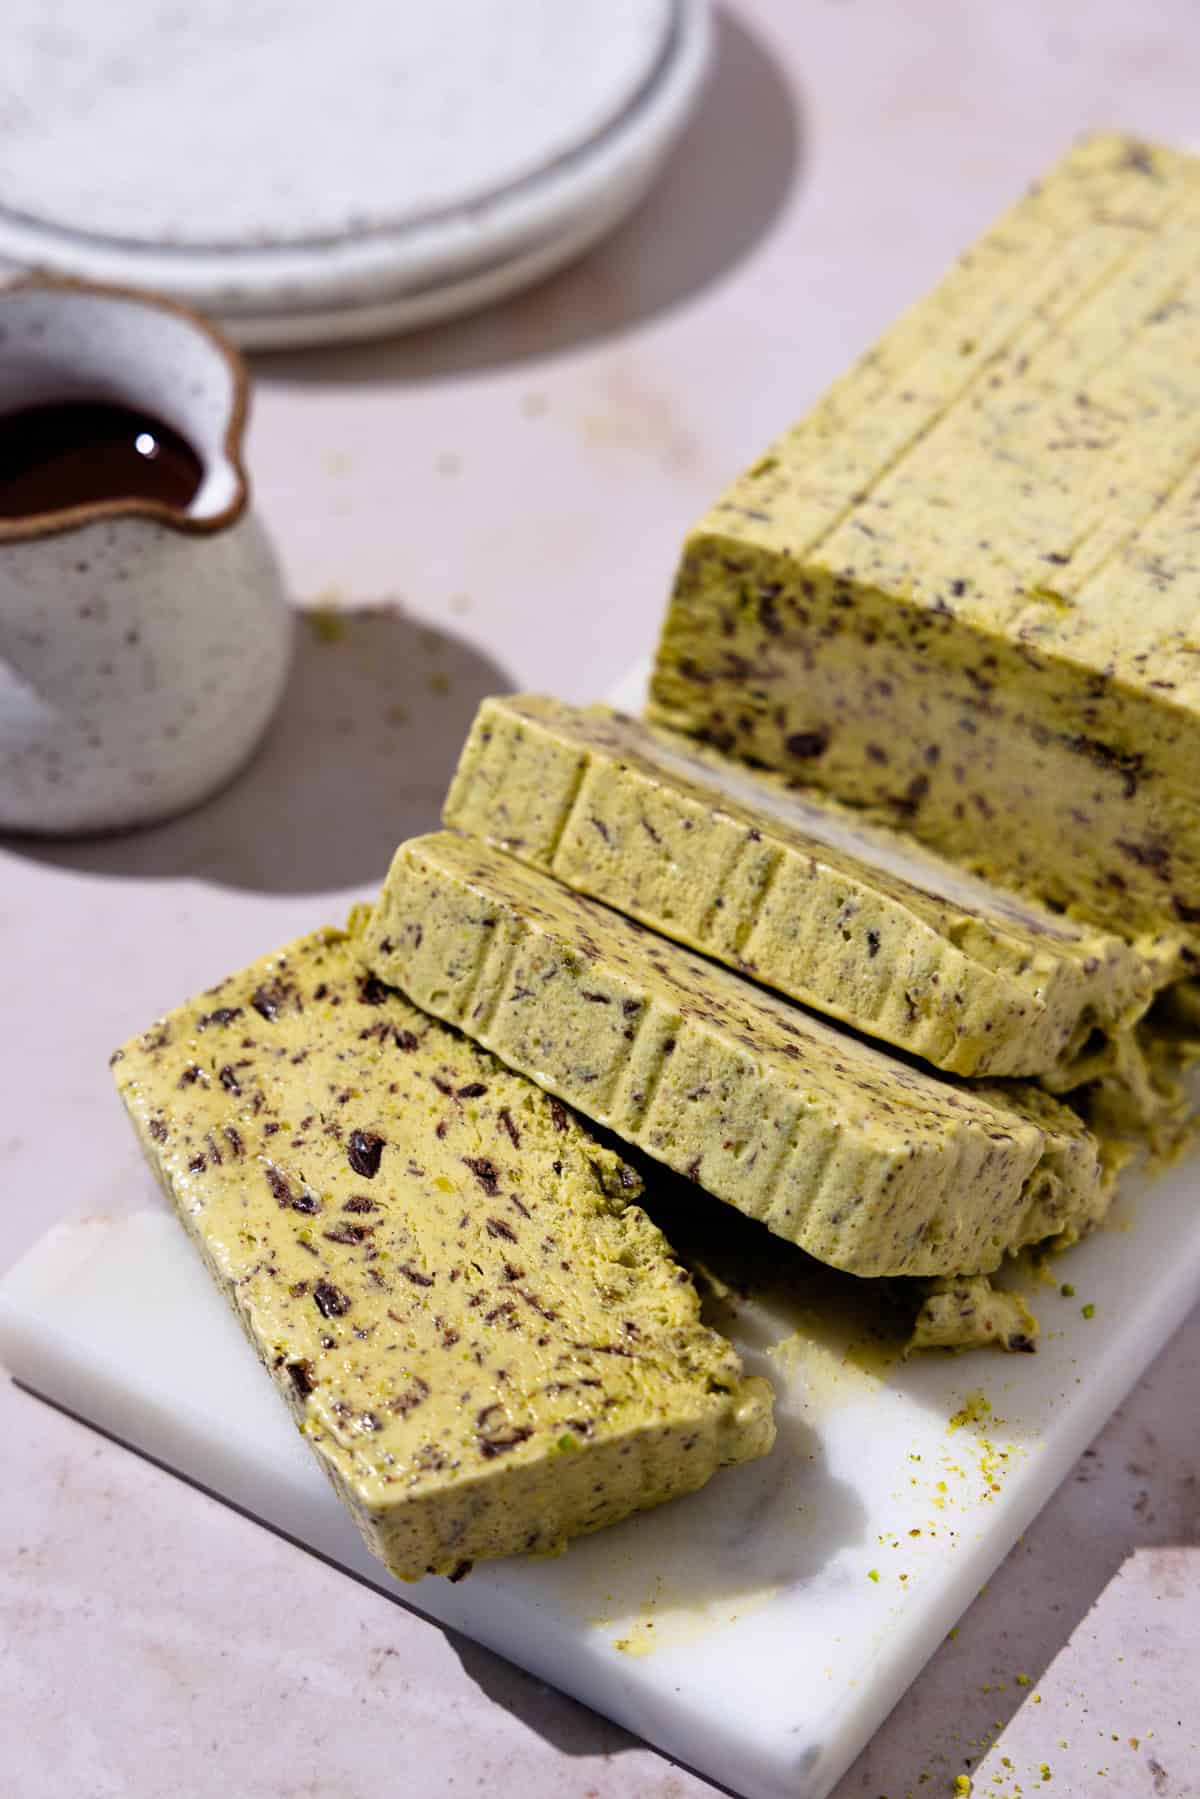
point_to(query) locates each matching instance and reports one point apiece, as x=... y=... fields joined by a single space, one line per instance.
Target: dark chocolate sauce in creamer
x=85 y=452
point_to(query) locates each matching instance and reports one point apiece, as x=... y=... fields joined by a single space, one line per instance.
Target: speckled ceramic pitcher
x=143 y=648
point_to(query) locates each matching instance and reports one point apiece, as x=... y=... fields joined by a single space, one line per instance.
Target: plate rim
x=368 y=265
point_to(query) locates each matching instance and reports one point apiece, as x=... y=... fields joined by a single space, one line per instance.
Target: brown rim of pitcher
x=51 y=524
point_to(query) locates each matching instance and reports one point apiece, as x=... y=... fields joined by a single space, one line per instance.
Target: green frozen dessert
x=488 y=1347
x=866 y=1162
x=972 y=1314
x=859 y=921
x=962 y=592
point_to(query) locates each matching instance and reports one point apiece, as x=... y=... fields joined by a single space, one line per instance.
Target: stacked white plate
x=304 y=173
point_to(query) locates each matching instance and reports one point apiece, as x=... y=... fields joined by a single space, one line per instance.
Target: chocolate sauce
x=80 y=452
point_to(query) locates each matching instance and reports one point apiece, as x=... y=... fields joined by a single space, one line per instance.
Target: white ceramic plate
x=506 y=169
x=409 y=307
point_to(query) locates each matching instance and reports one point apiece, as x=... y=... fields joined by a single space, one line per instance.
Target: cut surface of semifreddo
x=962 y=592
x=866 y=1162
x=489 y=1348
x=854 y=919
x=972 y=1314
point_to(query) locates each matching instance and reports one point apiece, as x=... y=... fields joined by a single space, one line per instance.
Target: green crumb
x=1044 y=1771
x=975 y=1409
x=873 y=1574
x=951 y=1634
x=962 y=1785
x=1022 y=1680
x=1067 y=1290
x=326 y=623
x=1088 y=1311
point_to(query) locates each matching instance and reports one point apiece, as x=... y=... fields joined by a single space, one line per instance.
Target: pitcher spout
x=75 y=343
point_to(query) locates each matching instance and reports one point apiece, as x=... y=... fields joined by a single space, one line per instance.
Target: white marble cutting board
x=760 y=1630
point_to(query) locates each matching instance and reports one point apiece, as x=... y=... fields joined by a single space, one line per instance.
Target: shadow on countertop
x=717 y=199
x=357 y=758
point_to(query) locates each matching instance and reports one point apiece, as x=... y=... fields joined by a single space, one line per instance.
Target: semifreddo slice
x=487 y=1346
x=866 y=1162
x=861 y=922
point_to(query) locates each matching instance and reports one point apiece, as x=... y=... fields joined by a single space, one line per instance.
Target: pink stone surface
x=503 y=499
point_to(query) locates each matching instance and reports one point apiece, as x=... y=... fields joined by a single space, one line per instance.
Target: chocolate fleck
x=301 y=1375
x=485 y=1172
x=414 y=1275
x=506 y=1119
x=364 y=1153
x=329 y=1300
x=495 y=1434
x=806 y=744
x=222 y=1015
x=348 y=1233
x=408 y=1401
x=268 y=999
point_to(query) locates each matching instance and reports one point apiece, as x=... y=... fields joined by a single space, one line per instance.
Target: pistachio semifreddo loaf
x=488 y=1347
x=857 y=920
x=866 y=1162
x=963 y=591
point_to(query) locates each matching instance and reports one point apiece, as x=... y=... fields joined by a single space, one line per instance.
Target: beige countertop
x=500 y=501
